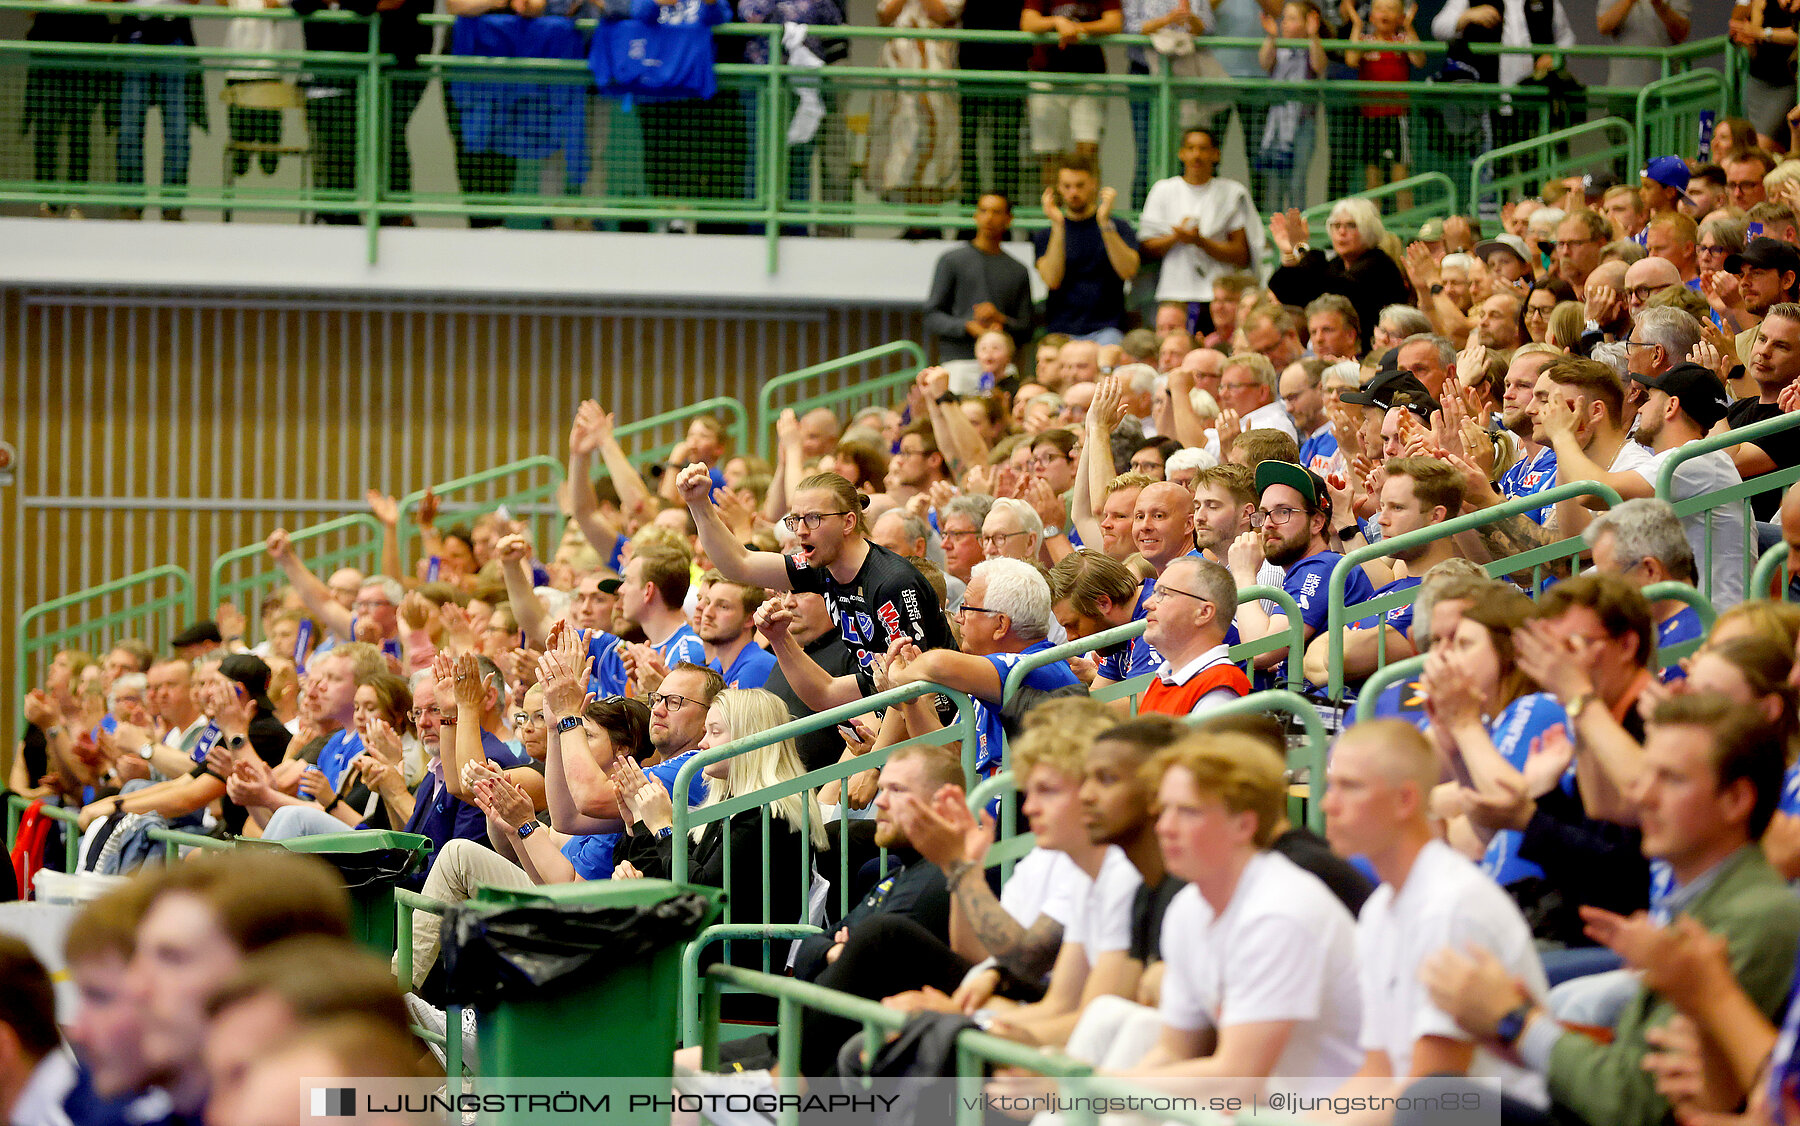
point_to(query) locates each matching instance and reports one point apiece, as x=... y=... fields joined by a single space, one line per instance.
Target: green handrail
x=529 y=494
x=1741 y=493
x=1379 y=681
x=1483 y=166
x=1318 y=213
x=1338 y=616
x=767 y=411
x=1772 y=567
x=96 y=628
x=1006 y=851
x=1661 y=123
x=1311 y=757
x=1681 y=592
x=17 y=804
x=174 y=839
x=363 y=553
x=722 y=404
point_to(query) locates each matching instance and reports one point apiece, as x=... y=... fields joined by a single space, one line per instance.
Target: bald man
x=1431 y=898
x=1162 y=523
x=819 y=432
x=1644 y=279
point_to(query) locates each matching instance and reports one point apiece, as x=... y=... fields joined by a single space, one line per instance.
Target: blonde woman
x=794 y=821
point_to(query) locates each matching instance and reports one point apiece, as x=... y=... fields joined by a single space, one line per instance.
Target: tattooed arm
x=980 y=928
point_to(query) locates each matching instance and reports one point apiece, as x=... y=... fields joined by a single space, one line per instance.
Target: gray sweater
x=964 y=277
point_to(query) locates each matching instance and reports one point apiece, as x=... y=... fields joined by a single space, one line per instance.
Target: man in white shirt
x=1249 y=388
x=1515 y=19
x=1431 y=897
x=1261 y=955
x=1199 y=224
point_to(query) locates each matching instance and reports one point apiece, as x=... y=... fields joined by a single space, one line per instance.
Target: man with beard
x=1224 y=500
x=1497 y=324
x=877 y=597
x=728 y=631
x=1288 y=530
x=1763 y=276
x=1419 y=492
x=1535 y=470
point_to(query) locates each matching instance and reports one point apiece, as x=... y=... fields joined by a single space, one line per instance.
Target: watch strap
x=568 y=723
x=529 y=828
x=1512 y=1025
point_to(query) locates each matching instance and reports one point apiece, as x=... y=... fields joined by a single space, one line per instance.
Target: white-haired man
x=1005 y=617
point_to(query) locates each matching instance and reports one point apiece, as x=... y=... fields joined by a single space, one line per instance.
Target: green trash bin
x=611 y=1016
x=373 y=863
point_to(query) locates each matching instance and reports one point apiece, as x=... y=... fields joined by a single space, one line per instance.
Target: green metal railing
x=1668 y=110
x=770 y=930
x=743 y=175
x=1442 y=202
x=406 y=901
x=1736 y=494
x=1308 y=756
x=1339 y=616
x=359 y=545
x=477 y=494
x=647 y=434
x=773 y=397
x=1381 y=680
x=1775 y=566
x=1539 y=159
x=94 y=628
x=17 y=804
x=174 y=840
x=1681 y=592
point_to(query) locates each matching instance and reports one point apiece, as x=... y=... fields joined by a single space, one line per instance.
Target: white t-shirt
x=1044 y=882
x=1446 y=902
x=1631 y=455
x=1101 y=921
x=1722 y=568
x=1283 y=949
x=1217 y=208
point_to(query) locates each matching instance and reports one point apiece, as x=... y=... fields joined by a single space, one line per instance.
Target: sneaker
x=434 y=1020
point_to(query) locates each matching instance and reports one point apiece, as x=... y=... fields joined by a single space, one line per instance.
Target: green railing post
x=1770 y=569
x=96 y=626
x=363 y=553
x=1339 y=616
x=369 y=137
x=773 y=168
x=1681 y=592
x=1628 y=145
x=1735 y=494
x=767 y=409
x=529 y=494
x=1702 y=89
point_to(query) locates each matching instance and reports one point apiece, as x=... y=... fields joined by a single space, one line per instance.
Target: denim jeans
x=137 y=93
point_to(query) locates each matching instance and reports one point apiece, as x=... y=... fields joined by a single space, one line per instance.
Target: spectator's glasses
x=948 y=536
x=1637 y=344
x=1280 y=514
x=528 y=719
x=1644 y=292
x=418 y=714
x=965 y=608
x=1045 y=461
x=1541 y=312
x=1737 y=186
x=1162 y=590
x=669 y=703
x=998 y=539
x=811 y=520
x=364 y=605
x=1571 y=242
x=1711 y=250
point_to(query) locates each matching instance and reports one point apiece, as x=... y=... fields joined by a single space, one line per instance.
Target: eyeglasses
x=1637 y=344
x=362 y=605
x=1743 y=185
x=1644 y=292
x=1542 y=311
x=528 y=719
x=965 y=608
x=948 y=536
x=672 y=703
x=812 y=520
x=1045 y=461
x=1280 y=514
x=418 y=714
x=1572 y=242
x=1705 y=249
x=998 y=539
x=1162 y=590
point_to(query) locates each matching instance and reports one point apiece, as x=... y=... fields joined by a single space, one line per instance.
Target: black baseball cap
x=1390 y=389
x=1702 y=396
x=1766 y=254
x=1302 y=480
x=199 y=633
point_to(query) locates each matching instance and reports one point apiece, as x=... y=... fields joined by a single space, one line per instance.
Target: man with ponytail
x=875 y=596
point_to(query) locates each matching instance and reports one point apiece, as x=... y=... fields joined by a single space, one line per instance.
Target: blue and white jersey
x=990 y=736
x=1140 y=656
x=1523 y=721
x=1527 y=478
x=610 y=678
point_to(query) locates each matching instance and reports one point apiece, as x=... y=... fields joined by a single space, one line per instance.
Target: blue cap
x=1669 y=171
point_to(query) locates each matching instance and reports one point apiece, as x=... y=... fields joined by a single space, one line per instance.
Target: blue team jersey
x=336 y=754
x=1790 y=790
x=1524 y=720
x=1527 y=478
x=751 y=669
x=990 y=737
x=1319 y=452
x=1402 y=700
x=591 y=854
x=610 y=678
x=1678 y=630
x=1140 y=656
x=1400 y=617
x=1308 y=582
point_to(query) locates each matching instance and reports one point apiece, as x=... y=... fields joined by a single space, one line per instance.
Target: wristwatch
x=1051 y=531
x=568 y=723
x=144 y=752
x=948 y=398
x=1512 y=1025
x=1578 y=704
x=232 y=743
x=1345 y=535
x=1437 y=288
x=528 y=828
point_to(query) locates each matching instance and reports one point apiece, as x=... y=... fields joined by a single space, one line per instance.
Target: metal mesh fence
x=846 y=148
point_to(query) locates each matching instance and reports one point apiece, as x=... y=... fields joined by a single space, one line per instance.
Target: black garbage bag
x=381 y=867
x=494 y=951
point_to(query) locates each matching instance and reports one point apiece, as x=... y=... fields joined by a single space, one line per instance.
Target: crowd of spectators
x=1551 y=858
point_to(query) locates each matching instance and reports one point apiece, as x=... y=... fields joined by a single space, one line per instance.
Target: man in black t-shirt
x=1774 y=365
x=876 y=597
